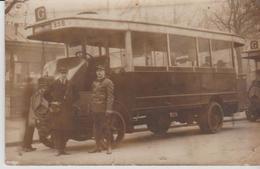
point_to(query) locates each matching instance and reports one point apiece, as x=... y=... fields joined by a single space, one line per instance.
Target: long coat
x=28 y=92
x=102 y=95
x=66 y=95
x=39 y=106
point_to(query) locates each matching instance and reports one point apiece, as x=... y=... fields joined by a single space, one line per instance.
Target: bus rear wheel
x=158 y=123
x=251 y=114
x=211 y=121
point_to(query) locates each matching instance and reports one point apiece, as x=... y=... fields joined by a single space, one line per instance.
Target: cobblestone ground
x=237 y=144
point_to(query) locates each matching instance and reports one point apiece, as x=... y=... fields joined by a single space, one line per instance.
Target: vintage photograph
x=132 y=82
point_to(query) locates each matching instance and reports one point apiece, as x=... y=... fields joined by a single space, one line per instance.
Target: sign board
x=49 y=26
x=40 y=14
x=254 y=45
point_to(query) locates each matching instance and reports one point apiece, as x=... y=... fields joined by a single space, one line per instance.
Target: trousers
x=102 y=129
x=60 y=139
x=28 y=136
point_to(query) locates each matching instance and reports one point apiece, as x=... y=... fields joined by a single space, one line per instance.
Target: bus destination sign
x=41 y=28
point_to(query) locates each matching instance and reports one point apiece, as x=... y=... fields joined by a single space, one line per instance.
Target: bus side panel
x=177 y=91
x=157 y=91
x=226 y=85
x=124 y=91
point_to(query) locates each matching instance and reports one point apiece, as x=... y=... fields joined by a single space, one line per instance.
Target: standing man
x=39 y=110
x=101 y=107
x=29 y=128
x=61 y=99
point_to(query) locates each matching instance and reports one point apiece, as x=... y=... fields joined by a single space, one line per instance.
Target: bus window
x=204 y=52
x=149 y=49
x=74 y=49
x=93 y=50
x=221 y=54
x=183 y=51
x=116 y=57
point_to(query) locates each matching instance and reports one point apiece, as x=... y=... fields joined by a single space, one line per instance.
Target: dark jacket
x=102 y=95
x=66 y=95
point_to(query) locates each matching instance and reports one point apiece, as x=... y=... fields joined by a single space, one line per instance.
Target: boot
x=95 y=150
x=109 y=149
x=62 y=153
x=103 y=145
x=28 y=149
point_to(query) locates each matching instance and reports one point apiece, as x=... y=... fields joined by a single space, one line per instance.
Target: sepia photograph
x=131 y=82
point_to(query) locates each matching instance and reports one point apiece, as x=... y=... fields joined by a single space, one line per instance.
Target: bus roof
x=53 y=30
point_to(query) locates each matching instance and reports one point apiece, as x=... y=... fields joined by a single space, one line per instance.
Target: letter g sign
x=40 y=13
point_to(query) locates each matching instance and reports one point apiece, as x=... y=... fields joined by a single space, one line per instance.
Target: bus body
x=162 y=73
x=253 y=94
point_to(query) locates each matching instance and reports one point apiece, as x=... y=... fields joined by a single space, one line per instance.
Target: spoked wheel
x=211 y=121
x=250 y=116
x=251 y=113
x=45 y=133
x=117 y=124
x=43 y=127
x=158 y=123
x=47 y=141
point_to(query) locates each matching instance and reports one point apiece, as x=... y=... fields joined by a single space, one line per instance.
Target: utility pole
x=174 y=15
x=108 y=6
x=43 y=58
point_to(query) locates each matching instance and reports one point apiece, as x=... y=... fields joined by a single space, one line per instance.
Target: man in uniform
x=61 y=99
x=101 y=107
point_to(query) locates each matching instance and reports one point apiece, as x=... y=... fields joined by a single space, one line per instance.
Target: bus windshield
x=115 y=55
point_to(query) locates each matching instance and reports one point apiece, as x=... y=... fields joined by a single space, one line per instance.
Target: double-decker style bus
x=162 y=73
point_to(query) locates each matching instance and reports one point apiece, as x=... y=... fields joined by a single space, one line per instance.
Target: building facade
x=23 y=59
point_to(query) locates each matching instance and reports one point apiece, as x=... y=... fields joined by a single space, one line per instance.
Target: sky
x=76 y=5
x=65 y=4
x=25 y=14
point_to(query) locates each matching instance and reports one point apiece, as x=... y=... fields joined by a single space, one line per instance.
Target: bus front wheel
x=158 y=123
x=211 y=121
x=118 y=127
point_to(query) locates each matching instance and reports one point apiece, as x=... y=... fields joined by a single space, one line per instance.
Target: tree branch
x=11 y=5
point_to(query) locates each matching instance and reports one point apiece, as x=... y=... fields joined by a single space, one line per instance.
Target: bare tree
x=240 y=17
x=11 y=3
x=237 y=16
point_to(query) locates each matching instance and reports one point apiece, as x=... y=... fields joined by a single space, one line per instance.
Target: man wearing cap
x=101 y=107
x=61 y=99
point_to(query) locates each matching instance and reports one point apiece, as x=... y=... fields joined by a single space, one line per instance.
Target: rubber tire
x=118 y=127
x=44 y=133
x=158 y=123
x=250 y=115
x=47 y=141
x=206 y=119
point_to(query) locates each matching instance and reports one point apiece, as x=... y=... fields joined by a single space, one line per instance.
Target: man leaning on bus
x=101 y=108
